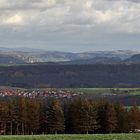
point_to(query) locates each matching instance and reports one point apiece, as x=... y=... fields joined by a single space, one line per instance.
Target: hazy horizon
x=70 y=25
x=44 y=49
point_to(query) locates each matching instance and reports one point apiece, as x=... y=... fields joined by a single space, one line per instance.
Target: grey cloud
x=25 y=5
x=75 y=25
x=22 y=8
x=137 y=1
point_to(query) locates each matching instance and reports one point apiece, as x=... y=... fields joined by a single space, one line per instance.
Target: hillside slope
x=97 y=75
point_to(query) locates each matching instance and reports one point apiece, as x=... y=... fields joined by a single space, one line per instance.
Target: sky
x=70 y=25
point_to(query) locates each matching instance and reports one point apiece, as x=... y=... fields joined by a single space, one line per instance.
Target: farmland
x=130 y=91
x=75 y=137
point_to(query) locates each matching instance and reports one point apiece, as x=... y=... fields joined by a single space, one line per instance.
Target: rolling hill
x=71 y=76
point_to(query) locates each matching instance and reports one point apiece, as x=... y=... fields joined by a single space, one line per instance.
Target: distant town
x=37 y=93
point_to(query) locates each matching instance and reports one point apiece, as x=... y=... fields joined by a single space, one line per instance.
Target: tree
x=106 y=117
x=3 y=117
x=122 y=119
x=111 y=118
x=33 y=116
x=83 y=116
x=134 y=119
x=91 y=123
x=55 y=118
x=102 y=116
x=43 y=118
x=22 y=102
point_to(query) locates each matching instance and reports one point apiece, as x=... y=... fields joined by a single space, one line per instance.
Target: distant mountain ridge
x=134 y=59
x=97 y=60
x=29 y=55
x=7 y=59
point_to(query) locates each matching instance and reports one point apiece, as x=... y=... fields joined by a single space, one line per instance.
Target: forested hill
x=119 y=75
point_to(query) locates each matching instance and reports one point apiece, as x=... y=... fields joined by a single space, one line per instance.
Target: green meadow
x=75 y=137
x=131 y=91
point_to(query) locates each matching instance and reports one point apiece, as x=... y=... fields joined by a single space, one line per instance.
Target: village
x=37 y=93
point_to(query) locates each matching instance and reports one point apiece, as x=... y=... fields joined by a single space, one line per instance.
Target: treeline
x=24 y=116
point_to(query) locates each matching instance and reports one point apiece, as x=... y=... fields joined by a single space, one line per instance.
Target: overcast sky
x=70 y=25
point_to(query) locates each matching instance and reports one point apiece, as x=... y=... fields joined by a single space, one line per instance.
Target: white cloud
x=13 y=20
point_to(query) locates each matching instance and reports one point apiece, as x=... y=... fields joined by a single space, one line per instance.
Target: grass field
x=75 y=137
x=131 y=91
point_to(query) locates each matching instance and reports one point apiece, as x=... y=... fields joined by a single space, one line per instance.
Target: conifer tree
x=23 y=114
x=111 y=118
x=102 y=116
x=122 y=119
x=55 y=118
x=3 y=116
x=33 y=117
x=134 y=118
x=91 y=116
x=83 y=116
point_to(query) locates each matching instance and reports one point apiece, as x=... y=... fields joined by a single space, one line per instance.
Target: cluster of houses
x=37 y=93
